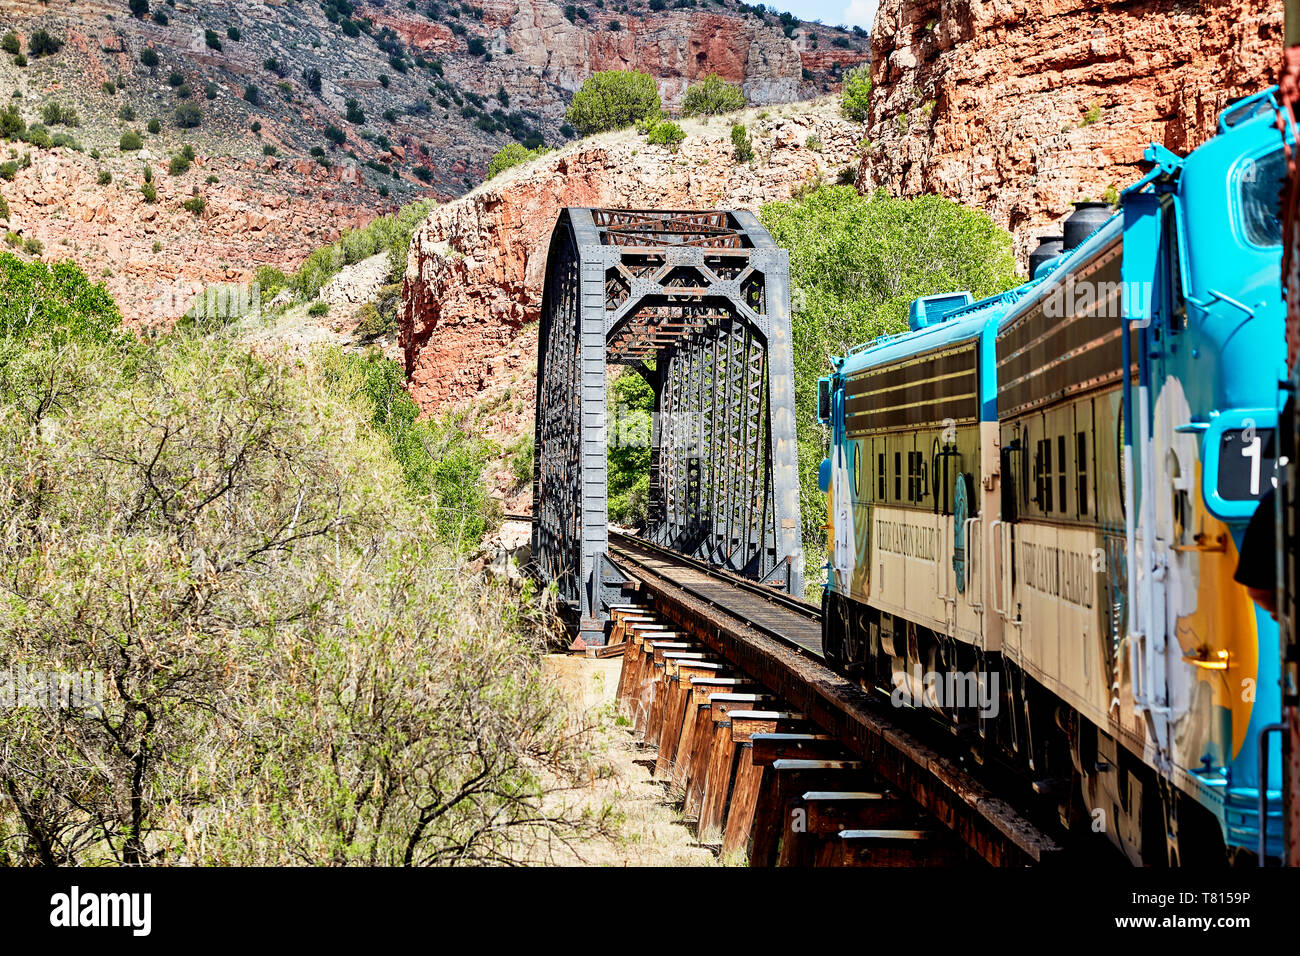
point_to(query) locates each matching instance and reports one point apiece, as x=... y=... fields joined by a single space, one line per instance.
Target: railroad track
x=773 y=755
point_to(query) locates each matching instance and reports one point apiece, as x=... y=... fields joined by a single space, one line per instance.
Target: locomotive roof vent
x=932 y=309
x=1087 y=217
x=1048 y=250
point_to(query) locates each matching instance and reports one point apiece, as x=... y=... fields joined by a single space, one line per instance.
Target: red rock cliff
x=1021 y=108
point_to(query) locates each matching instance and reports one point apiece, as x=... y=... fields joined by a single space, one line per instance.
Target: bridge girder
x=698 y=303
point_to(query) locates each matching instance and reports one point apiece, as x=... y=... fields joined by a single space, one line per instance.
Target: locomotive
x=1036 y=503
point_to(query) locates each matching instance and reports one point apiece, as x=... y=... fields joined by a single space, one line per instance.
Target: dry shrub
x=296 y=669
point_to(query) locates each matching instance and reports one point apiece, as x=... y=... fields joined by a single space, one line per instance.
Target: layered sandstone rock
x=153 y=257
x=1021 y=107
x=475 y=270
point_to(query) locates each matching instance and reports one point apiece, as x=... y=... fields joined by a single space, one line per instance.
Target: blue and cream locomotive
x=1036 y=504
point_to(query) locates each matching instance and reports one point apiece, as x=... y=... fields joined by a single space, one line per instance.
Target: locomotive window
x=898 y=476
x=1081 y=453
x=880 y=476
x=1047 y=474
x=823 y=400
x=1261 y=199
x=1043 y=474
x=1060 y=456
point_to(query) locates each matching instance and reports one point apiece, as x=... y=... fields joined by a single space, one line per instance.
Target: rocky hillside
x=1022 y=108
x=474 y=274
x=421 y=93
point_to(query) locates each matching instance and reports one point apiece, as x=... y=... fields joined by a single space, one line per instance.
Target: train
x=1037 y=504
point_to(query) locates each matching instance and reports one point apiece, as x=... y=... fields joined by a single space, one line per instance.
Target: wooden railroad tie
x=680 y=672
x=774 y=818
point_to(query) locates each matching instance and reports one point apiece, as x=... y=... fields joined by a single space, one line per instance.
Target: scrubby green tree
x=856 y=263
x=512 y=154
x=855 y=94
x=711 y=96
x=666 y=133
x=614 y=99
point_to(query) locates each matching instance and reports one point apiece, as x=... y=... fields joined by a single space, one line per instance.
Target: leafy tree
x=252 y=95
x=711 y=96
x=212 y=40
x=856 y=263
x=614 y=99
x=335 y=135
x=138 y=8
x=130 y=141
x=149 y=57
x=52 y=305
x=154 y=126
x=855 y=95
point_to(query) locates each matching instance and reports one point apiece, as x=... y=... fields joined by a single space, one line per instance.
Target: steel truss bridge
x=698 y=304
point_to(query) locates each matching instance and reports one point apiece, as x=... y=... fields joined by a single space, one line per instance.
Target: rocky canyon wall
x=1021 y=108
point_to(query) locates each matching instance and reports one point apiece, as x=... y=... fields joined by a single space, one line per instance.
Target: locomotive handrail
x=970 y=552
x=993 y=529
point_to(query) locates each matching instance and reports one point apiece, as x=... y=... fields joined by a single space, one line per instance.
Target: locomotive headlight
x=1240 y=457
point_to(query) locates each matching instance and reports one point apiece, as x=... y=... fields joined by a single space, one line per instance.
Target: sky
x=831 y=12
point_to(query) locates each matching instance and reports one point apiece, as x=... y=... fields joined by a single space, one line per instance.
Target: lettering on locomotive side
x=1058 y=572
x=905 y=539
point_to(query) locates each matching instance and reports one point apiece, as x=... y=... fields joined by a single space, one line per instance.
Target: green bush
x=631 y=406
x=104 y=177
x=387 y=233
x=270 y=281
x=855 y=94
x=442 y=465
x=856 y=263
x=154 y=126
x=666 y=133
x=8 y=170
x=4 y=208
x=212 y=40
x=318 y=308
x=196 y=205
x=149 y=191
x=42 y=43
x=126 y=113
x=711 y=96
x=12 y=124
x=187 y=116
x=613 y=99
x=512 y=154
x=55 y=114
x=149 y=58
x=53 y=305
x=39 y=137
x=9 y=43
x=741 y=143
x=179 y=165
